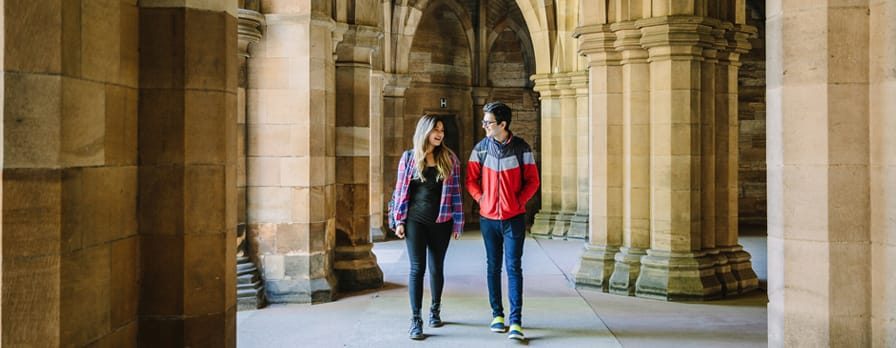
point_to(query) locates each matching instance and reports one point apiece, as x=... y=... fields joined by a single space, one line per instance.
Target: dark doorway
x=452 y=135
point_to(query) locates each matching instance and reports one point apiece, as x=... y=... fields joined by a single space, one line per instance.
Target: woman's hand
x=456 y=235
x=399 y=231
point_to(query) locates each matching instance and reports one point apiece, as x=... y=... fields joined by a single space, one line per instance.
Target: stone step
x=247 y=278
x=243 y=293
x=252 y=286
x=244 y=266
x=244 y=271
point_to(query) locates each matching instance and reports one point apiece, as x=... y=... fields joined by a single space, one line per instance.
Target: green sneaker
x=516 y=332
x=497 y=325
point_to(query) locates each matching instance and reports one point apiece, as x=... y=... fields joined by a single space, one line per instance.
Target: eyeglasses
x=485 y=123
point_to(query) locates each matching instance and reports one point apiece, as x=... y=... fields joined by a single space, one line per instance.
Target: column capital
x=675 y=37
x=596 y=44
x=337 y=31
x=550 y=85
x=359 y=43
x=248 y=30
x=395 y=84
x=578 y=81
x=480 y=95
x=628 y=42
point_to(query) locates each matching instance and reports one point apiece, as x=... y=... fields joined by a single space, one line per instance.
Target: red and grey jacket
x=502 y=177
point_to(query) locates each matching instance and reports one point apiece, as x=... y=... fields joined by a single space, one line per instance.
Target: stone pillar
x=675 y=268
x=71 y=241
x=734 y=266
x=564 y=137
x=822 y=257
x=550 y=133
x=393 y=116
x=187 y=176
x=355 y=264
x=635 y=158
x=605 y=127
x=882 y=88
x=578 y=226
x=377 y=135
x=480 y=98
x=249 y=33
x=709 y=138
x=291 y=154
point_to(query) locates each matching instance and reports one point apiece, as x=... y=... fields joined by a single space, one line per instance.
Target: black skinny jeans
x=419 y=238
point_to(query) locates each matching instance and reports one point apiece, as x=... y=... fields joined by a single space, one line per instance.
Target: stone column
x=249 y=33
x=708 y=144
x=564 y=137
x=71 y=241
x=578 y=226
x=635 y=158
x=822 y=269
x=377 y=135
x=393 y=112
x=675 y=267
x=480 y=98
x=393 y=115
x=250 y=287
x=882 y=88
x=605 y=127
x=738 y=274
x=187 y=178
x=355 y=264
x=550 y=111
x=291 y=154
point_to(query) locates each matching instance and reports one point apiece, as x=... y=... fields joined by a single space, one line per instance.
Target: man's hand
x=399 y=231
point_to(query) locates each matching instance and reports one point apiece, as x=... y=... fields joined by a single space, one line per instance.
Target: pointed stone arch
x=541 y=27
x=408 y=21
x=521 y=32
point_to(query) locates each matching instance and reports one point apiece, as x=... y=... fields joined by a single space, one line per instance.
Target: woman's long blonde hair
x=442 y=154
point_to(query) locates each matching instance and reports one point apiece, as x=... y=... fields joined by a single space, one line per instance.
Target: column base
x=672 y=276
x=741 y=268
x=595 y=267
x=356 y=268
x=561 y=225
x=314 y=290
x=578 y=227
x=377 y=234
x=723 y=273
x=626 y=271
x=541 y=228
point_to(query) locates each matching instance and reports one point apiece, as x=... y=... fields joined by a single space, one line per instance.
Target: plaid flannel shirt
x=450 y=206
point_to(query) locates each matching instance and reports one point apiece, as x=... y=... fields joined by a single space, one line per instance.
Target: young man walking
x=502 y=177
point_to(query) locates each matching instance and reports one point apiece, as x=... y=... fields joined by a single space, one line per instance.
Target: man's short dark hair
x=501 y=111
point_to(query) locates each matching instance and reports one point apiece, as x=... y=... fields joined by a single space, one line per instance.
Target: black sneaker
x=497 y=325
x=416 y=330
x=434 y=319
x=516 y=332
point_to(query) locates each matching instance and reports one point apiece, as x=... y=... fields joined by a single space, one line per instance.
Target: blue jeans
x=505 y=237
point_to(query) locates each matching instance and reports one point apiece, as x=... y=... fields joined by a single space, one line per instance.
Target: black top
x=425 y=197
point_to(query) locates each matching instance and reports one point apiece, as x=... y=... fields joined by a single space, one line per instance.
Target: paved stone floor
x=555 y=314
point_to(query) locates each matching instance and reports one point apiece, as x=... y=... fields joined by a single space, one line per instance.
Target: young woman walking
x=427 y=211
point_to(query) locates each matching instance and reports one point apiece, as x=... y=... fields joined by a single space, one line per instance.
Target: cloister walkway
x=555 y=314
